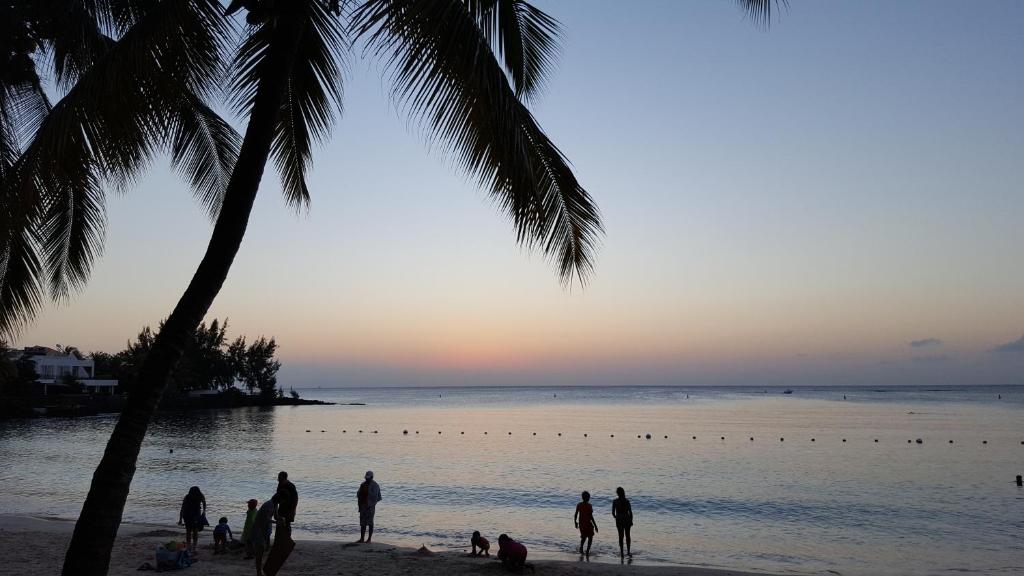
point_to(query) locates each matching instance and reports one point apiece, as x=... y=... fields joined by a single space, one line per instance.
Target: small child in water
x=584 y=520
x=220 y=536
x=478 y=541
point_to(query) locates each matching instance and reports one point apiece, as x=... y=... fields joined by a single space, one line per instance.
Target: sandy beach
x=35 y=547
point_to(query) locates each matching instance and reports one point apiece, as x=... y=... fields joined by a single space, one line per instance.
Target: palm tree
x=463 y=68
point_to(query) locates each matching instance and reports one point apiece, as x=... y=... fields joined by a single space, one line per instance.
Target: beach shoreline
x=35 y=546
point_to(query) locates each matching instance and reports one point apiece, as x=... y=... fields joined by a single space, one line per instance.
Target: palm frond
x=523 y=36
x=204 y=148
x=760 y=11
x=102 y=132
x=312 y=95
x=446 y=74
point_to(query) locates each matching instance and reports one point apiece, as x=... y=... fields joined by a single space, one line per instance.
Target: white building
x=54 y=367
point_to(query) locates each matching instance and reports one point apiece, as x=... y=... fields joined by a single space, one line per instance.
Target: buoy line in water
x=649 y=436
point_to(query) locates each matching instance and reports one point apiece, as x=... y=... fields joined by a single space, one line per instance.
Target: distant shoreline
x=76 y=406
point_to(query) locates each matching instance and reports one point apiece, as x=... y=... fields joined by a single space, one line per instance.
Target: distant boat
x=787 y=391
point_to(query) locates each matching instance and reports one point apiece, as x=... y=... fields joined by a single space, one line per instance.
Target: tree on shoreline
x=207 y=362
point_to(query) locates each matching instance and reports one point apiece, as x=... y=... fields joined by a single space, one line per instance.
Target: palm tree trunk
x=96 y=529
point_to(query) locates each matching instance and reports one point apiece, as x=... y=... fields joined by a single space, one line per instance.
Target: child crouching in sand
x=511 y=553
x=478 y=541
x=220 y=536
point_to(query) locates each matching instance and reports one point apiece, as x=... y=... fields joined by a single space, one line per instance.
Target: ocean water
x=823 y=479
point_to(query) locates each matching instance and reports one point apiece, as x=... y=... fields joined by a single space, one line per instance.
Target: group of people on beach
x=280 y=510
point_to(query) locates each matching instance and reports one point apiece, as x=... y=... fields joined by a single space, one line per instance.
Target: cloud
x=1015 y=347
x=932 y=359
x=925 y=343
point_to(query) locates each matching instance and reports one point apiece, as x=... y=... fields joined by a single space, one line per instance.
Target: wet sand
x=35 y=547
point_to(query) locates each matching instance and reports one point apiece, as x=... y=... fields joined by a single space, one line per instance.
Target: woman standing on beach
x=193 y=509
x=584 y=520
x=623 y=514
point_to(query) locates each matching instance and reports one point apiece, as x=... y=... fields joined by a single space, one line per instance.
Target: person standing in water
x=367 y=497
x=623 y=514
x=584 y=520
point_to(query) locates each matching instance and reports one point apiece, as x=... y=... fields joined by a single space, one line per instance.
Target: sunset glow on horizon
x=791 y=206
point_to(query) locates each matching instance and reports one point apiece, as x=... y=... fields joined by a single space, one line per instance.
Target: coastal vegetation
x=226 y=372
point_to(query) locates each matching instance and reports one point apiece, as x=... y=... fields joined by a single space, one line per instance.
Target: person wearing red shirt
x=584 y=520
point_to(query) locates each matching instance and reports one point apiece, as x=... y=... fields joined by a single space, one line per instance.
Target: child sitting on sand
x=511 y=553
x=220 y=536
x=478 y=541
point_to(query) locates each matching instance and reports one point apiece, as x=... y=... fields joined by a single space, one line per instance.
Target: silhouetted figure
x=287 y=502
x=511 y=553
x=367 y=497
x=193 y=509
x=584 y=520
x=261 y=528
x=220 y=536
x=478 y=541
x=250 y=517
x=622 y=511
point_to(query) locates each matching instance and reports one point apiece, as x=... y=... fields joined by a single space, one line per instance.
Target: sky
x=834 y=200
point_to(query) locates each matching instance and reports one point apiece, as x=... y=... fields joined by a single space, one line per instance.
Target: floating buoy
x=782 y=439
x=1020 y=480
x=360 y=431
x=485 y=433
x=559 y=433
x=984 y=441
x=374 y=431
x=723 y=437
x=950 y=441
x=666 y=437
x=909 y=441
x=876 y=440
x=438 y=431
x=172 y=449
x=648 y=436
x=461 y=432
x=613 y=436
x=919 y=441
x=694 y=437
x=417 y=431
x=534 y=433
x=751 y=438
x=307 y=431
x=844 y=439
x=812 y=439
x=405 y=432
x=584 y=434
x=509 y=433
x=344 y=431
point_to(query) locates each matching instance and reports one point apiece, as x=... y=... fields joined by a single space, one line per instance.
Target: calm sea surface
x=781 y=492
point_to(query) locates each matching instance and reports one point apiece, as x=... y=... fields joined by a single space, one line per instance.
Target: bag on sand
x=172 y=559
